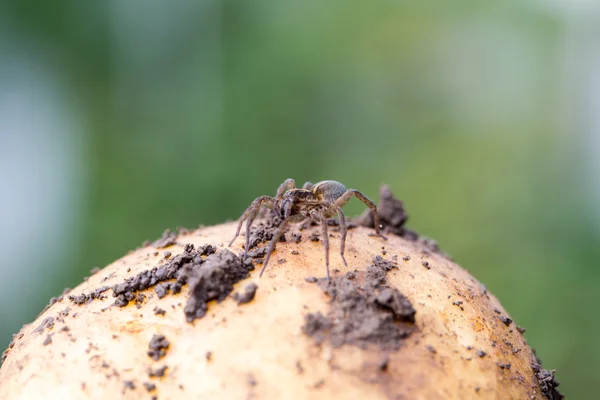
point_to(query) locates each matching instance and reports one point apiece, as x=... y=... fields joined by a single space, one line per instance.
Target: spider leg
x=248 y=224
x=250 y=214
x=343 y=199
x=273 y=243
x=288 y=184
x=307 y=185
x=325 y=244
x=343 y=232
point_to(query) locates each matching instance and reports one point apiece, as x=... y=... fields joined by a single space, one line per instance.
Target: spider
x=317 y=202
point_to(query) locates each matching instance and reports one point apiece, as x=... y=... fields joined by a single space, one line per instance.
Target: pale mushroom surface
x=461 y=345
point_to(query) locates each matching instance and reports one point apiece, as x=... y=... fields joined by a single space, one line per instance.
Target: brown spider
x=317 y=202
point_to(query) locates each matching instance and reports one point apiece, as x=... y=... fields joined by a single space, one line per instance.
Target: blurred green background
x=119 y=119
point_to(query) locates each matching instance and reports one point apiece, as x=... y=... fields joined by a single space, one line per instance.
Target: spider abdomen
x=329 y=191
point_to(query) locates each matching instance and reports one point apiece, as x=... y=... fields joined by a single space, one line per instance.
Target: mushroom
x=400 y=321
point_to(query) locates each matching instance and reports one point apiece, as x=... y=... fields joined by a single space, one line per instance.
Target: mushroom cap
x=462 y=342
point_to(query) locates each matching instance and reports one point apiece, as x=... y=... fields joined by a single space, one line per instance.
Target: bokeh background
x=119 y=119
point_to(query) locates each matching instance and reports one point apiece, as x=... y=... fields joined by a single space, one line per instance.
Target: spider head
x=294 y=202
x=285 y=207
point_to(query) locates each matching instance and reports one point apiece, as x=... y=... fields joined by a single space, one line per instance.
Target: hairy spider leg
x=343 y=199
x=288 y=184
x=250 y=214
x=325 y=244
x=342 y=234
x=282 y=227
x=251 y=217
x=307 y=185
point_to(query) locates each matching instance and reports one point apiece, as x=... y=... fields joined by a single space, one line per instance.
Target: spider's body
x=317 y=202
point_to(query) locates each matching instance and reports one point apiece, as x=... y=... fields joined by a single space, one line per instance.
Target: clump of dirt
x=157 y=373
x=175 y=268
x=167 y=239
x=158 y=347
x=87 y=298
x=391 y=212
x=393 y=217
x=209 y=278
x=47 y=323
x=248 y=295
x=129 y=385
x=505 y=320
x=546 y=379
x=214 y=280
x=364 y=310
x=264 y=230
x=149 y=386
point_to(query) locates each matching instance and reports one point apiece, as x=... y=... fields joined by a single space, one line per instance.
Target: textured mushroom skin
x=462 y=344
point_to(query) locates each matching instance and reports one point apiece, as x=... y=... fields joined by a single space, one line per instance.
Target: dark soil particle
x=504 y=365
x=314 y=237
x=48 y=340
x=248 y=295
x=521 y=329
x=129 y=385
x=426 y=264
x=364 y=310
x=481 y=353
x=311 y=279
x=392 y=217
x=505 y=320
x=139 y=300
x=158 y=347
x=264 y=230
x=319 y=384
x=213 y=280
x=384 y=363
x=47 y=323
x=176 y=268
x=431 y=349
x=168 y=239
x=257 y=253
x=317 y=325
x=54 y=300
x=149 y=386
x=459 y=304
x=548 y=382
x=158 y=373
x=162 y=289
x=159 y=311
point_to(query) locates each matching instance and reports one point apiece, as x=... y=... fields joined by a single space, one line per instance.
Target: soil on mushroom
x=363 y=310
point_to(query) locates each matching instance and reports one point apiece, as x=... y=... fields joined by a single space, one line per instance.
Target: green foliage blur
x=186 y=111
